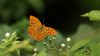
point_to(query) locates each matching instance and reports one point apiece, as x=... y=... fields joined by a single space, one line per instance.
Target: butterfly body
x=38 y=31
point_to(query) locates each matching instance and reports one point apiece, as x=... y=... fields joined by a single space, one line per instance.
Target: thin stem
x=68 y=49
x=18 y=51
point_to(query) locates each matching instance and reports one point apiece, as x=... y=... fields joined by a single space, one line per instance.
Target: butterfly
x=38 y=31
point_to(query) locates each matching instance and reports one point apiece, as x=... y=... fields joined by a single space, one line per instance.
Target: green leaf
x=84 y=31
x=93 y=15
x=79 y=45
x=42 y=53
x=53 y=52
x=22 y=27
x=95 y=49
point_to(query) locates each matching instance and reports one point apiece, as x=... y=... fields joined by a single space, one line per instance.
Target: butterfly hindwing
x=40 y=34
x=50 y=31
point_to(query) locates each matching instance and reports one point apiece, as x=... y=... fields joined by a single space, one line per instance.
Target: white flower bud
x=44 y=43
x=68 y=39
x=62 y=45
x=3 y=39
x=54 y=38
x=35 y=49
x=7 y=34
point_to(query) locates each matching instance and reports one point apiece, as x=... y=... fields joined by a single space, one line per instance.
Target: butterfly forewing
x=34 y=25
x=34 y=22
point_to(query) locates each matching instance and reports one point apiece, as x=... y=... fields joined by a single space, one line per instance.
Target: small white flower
x=54 y=38
x=62 y=45
x=44 y=43
x=68 y=39
x=3 y=39
x=34 y=54
x=35 y=49
x=7 y=34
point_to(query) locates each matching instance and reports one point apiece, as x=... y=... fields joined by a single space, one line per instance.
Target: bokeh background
x=63 y=15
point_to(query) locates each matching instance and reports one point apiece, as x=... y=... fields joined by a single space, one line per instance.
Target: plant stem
x=18 y=51
x=68 y=49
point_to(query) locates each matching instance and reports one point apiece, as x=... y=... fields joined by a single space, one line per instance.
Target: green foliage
x=79 y=45
x=21 y=27
x=10 y=44
x=91 y=49
x=8 y=40
x=94 y=49
x=85 y=42
x=84 y=31
x=38 y=5
x=93 y=15
x=88 y=46
x=3 y=29
x=14 y=10
x=42 y=53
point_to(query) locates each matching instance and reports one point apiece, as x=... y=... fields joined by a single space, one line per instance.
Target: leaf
x=95 y=49
x=53 y=52
x=84 y=32
x=79 y=44
x=93 y=15
x=21 y=26
x=42 y=53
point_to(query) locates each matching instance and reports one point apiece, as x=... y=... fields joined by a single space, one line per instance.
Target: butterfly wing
x=38 y=31
x=50 y=31
x=34 y=26
x=41 y=34
x=34 y=22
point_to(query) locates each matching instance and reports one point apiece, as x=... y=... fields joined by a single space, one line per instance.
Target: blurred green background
x=63 y=15
x=14 y=14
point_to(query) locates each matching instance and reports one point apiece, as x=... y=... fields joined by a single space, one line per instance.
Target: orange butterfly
x=38 y=31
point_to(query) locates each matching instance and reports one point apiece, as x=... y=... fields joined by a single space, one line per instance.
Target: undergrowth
x=85 y=42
